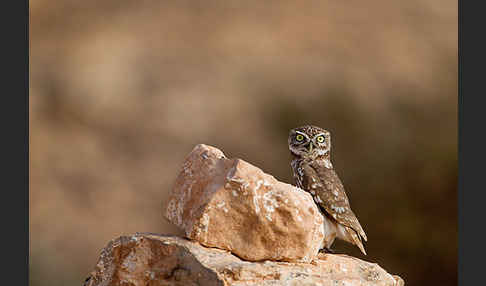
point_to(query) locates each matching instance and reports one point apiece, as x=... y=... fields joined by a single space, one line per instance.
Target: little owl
x=310 y=147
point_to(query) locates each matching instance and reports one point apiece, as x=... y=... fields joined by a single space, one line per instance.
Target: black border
x=15 y=140
x=460 y=176
x=471 y=142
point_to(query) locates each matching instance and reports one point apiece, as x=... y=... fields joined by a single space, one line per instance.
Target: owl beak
x=310 y=147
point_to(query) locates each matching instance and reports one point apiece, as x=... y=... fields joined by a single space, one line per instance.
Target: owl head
x=309 y=141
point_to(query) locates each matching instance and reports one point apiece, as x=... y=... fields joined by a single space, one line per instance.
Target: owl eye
x=320 y=139
x=299 y=137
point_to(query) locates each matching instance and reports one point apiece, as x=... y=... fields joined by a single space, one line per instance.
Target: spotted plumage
x=313 y=172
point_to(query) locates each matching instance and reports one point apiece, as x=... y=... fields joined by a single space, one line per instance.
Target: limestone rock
x=233 y=205
x=156 y=260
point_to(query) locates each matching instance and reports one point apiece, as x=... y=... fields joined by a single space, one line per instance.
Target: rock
x=233 y=205
x=150 y=259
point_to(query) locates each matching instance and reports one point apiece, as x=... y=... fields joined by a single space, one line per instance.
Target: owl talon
x=326 y=250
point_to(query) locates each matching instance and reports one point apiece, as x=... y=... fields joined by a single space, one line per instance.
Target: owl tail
x=354 y=238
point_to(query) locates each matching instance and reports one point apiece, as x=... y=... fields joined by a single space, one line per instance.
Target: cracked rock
x=146 y=259
x=233 y=205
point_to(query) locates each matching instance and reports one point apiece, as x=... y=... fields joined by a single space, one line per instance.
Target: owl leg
x=328 y=241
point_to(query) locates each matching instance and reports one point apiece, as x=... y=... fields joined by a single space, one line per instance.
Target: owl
x=310 y=147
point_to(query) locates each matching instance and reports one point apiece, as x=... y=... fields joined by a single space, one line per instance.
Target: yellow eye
x=320 y=139
x=299 y=137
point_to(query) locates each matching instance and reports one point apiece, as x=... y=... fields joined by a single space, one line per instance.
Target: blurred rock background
x=121 y=91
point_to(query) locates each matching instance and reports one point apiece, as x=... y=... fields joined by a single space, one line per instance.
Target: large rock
x=233 y=205
x=155 y=260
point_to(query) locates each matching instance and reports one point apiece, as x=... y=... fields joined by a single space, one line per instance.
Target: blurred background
x=121 y=91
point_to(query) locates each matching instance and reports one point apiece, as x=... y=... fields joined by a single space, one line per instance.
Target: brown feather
x=355 y=238
x=333 y=197
x=324 y=184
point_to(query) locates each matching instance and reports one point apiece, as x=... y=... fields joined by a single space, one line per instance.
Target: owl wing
x=328 y=192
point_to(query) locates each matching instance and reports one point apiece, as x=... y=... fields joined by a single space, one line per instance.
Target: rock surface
x=233 y=205
x=150 y=259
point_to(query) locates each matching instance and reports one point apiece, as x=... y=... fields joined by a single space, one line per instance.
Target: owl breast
x=298 y=172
